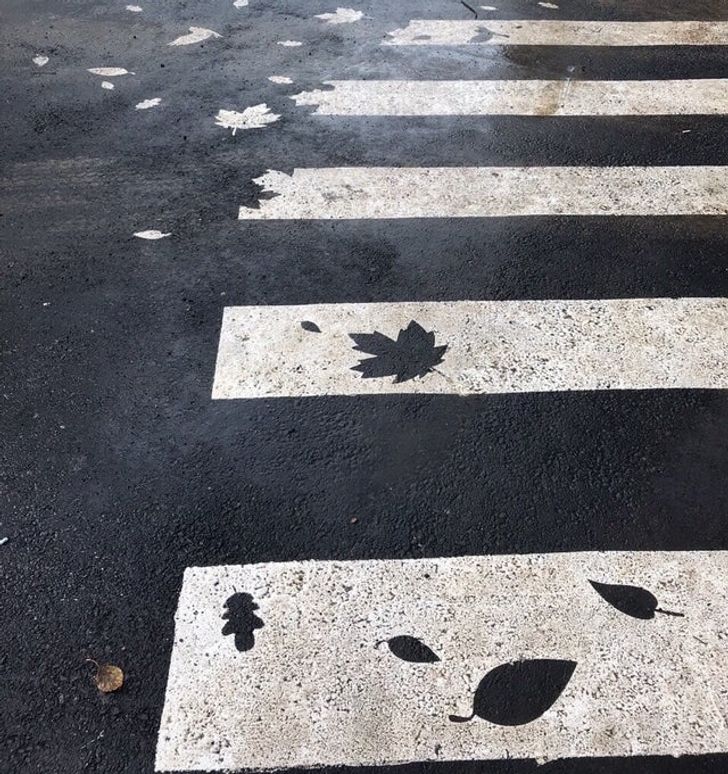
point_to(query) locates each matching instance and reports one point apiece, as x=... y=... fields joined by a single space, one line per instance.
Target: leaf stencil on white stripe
x=521 y=97
x=548 y=32
x=354 y=193
x=472 y=347
x=288 y=664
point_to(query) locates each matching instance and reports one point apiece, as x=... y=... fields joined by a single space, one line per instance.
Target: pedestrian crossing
x=368 y=663
x=372 y=663
x=566 y=97
x=472 y=347
x=357 y=193
x=552 y=32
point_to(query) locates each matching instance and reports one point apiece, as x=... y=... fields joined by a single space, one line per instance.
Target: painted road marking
x=492 y=347
x=354 y=193
x=309 y=687
x=550 y=32
x=530 y=98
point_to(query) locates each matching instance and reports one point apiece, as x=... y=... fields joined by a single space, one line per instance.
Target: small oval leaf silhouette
x=631 y=600
x=518 y=693
x=307 y=325
x=411 y=649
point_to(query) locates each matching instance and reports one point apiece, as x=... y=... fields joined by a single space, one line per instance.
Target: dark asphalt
x=117 y=470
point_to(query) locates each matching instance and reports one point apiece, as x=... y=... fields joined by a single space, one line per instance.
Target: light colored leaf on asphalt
x=255 y=117
x=196 y=35
x=134 y=8
x=289 y=43
x=108 y=678
x=109 y=72
x=107 y=85
x=341 y=16
x=240 y=3
x=280 y=79
x=148 y=103
x=152 y=233
x=40 y=60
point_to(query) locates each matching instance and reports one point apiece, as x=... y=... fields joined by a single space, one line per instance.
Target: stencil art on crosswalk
x=551 y=32
x=491 y=347
x=355 y=193
x=524 y=97
x=375 y=662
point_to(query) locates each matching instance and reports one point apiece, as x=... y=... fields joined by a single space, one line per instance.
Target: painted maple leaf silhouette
x=413 y=353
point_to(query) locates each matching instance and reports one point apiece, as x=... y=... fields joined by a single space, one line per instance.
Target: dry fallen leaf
x=108 y=678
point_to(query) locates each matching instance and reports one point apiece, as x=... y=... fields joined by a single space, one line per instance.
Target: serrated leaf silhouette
x=241 y=620
x=410 y=649
x=413 y=353
x=631 y=600
x=518 y=693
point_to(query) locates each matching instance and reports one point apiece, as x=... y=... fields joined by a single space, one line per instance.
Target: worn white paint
x=527 y=97
x=152 y=234
x=148 y=103
x=110 y=72
x=255 y=117
x=316 y=691
x=341 y=16
x=289 y=43
x=40 y=60
x=353 y=193
x=196 y=35
x=548 y=32
x=493 y=347
x=108 y=85
x=281 y=79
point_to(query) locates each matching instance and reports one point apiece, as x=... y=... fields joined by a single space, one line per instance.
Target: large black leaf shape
x=631 y=600
x=413 y=353
x=410 y=649
x=518 y=693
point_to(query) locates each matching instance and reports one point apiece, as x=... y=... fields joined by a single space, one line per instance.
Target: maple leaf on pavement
x=413 y=353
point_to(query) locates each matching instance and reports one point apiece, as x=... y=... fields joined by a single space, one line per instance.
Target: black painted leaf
x=518 y=693
x=631 y=600
x=411 y=649
x=241 y=620
x=413 y=353
x=307 y=325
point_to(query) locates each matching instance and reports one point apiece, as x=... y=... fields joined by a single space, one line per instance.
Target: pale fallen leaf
x=134 y=8
x=148 y=103
x=196 y=35
x=341 y=16
x=152 y=233
x=548 y=5
x=109 y=72
x=108 y=678
x=240 y=3
x=488 y=7
x=289 y=43
x=40 y=60
x=280 y=79
x=107 y=85
x=255 y=117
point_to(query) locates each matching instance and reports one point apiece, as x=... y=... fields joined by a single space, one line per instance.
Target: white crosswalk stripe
x=353 y=193
x=492 y=347
x=523 y=97
x=551 y=32
x=315 y=689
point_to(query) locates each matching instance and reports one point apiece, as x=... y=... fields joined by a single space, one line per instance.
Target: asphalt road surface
x=282 y=294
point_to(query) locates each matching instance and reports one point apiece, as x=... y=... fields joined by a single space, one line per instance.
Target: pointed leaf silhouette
x=307 y=325
x=413 y=353
x=518 y=693
x=631 y=600
x=410 y=649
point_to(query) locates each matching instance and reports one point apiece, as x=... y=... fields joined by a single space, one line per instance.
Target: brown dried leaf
x=108 y=678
